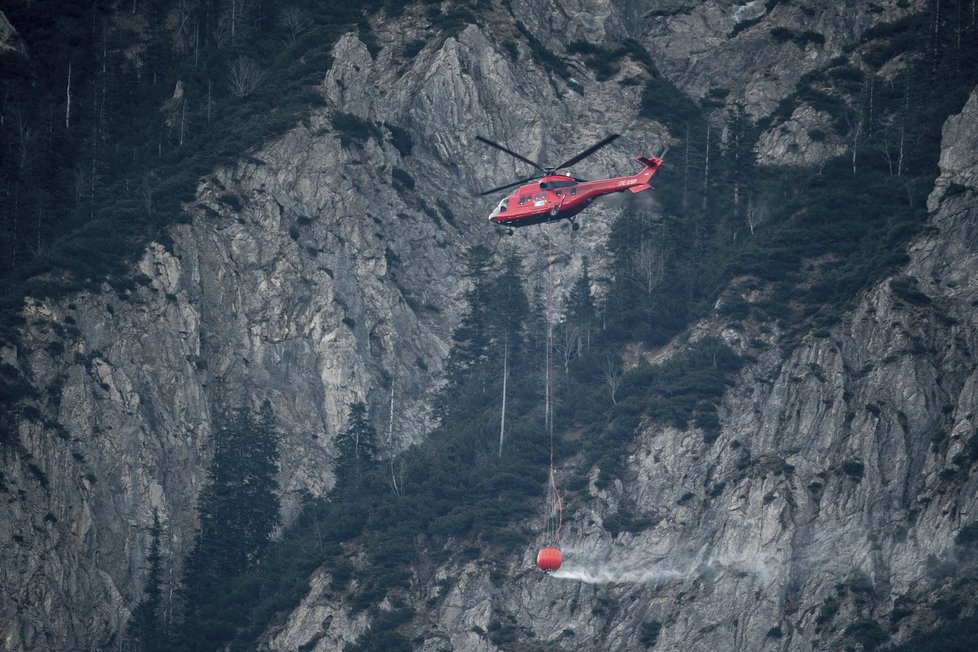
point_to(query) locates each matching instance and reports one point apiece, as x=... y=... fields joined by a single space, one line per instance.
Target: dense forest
x=88 y=180
x=117 y=113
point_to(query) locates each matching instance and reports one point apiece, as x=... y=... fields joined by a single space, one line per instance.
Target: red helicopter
x=560 y=196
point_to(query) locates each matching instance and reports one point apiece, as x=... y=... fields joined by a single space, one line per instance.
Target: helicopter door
x=539 y=199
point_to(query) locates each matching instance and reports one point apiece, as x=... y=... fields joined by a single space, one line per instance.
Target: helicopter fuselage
x=557 y=197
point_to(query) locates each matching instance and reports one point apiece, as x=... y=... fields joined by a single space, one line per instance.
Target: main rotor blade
x=511 y=153
x=590 y=150
x=508 y=185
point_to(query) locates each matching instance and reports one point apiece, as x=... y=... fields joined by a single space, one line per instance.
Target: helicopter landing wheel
x=575 y=226
x=553 y=212
x=509 y=232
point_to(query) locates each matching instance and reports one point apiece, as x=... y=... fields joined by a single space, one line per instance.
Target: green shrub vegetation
x=867 y=633
x=968 y=536
x=957 y=636
x=354 y=130
x=649 y=633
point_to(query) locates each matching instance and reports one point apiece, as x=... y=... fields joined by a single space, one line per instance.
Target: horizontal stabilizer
x=640 y=187
x=653 y=162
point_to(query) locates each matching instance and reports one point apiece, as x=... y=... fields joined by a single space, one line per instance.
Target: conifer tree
x=357 y=446
x=581 y=312
x=145 y=631
x=508 y=307
x=239 y=506
x=471 y=339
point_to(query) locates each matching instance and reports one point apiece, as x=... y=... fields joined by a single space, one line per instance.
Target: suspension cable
x=555 y=504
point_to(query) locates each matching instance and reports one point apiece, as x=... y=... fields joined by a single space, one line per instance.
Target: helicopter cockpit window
x=504 y=204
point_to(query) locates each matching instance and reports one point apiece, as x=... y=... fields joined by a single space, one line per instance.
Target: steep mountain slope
x=327 y=268
x=830 y=500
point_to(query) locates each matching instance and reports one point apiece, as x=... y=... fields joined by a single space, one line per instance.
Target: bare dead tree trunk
x=706 y=168
x=183 y=121
x=105 y=50
x=886 y=149
x=902 y=139
x=68 y=99
x=750 y=213
x=903 y=124
x=855 y=122
x=39 y=247
x=390 y=445
x=502 y=419
x=686 y=170
x=148 y=196
x=736 y=185
x=13 y=226
x=91 y=188
x=869 y=118
x=25 y=136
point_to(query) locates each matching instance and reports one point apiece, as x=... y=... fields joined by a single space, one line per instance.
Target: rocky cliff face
x=309 y=277
x=841 y=476
x=831 y=498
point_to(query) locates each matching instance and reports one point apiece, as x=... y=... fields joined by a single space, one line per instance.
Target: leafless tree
x=146 y=192
x=39 y=245
x=645 y=266
x=232 y=24
x=569 y=343
x=184 y=36
x=81 y=184
x=855 y=122
x=296 y=22
x=221 y=31
x=887 y=153
x=245 y=75
x=751 y=213
x=613 y=374
x=25 y=139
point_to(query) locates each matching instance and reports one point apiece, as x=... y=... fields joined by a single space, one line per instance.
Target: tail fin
x=651 y=167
